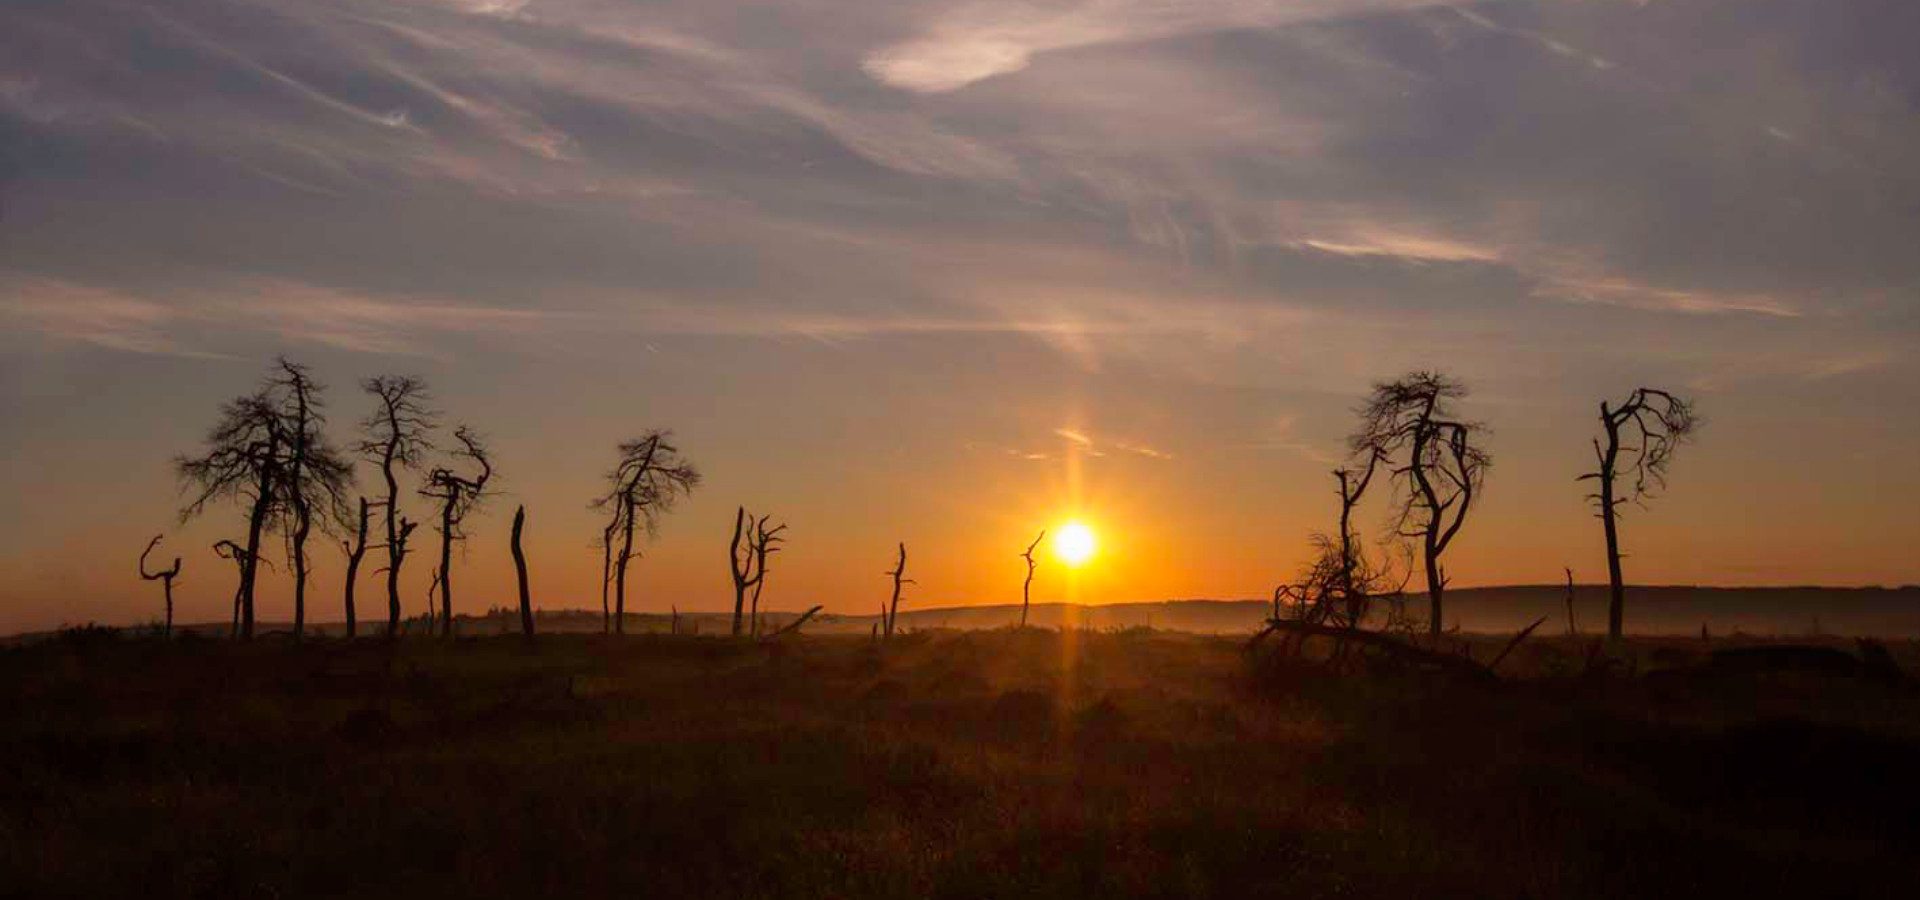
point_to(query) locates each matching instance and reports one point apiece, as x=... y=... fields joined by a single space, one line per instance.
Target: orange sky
x=950 y=272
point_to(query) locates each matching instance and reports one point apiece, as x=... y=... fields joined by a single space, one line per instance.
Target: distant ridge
x=1654 y=609
x=1651 y=610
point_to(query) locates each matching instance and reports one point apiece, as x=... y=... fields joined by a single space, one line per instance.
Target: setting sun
x=1074 y=543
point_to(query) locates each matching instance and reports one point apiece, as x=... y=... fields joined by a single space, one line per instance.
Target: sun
x=1074 y=543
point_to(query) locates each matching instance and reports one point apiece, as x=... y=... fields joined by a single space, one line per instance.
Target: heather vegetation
x=1017 y=762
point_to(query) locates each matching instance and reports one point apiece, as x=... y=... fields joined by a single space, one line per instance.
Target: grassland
x=949 y=764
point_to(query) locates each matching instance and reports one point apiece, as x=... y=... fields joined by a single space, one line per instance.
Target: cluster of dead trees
x=271 y=456
x=1435 y=466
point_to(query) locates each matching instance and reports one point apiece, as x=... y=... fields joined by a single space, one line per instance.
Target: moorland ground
x=946 y=764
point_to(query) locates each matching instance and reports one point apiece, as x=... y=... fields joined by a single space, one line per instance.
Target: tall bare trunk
x=303 y=527
x=520 y=567
x=1436 y=589
x=358 y=552
x=446 y=565
x=250 y=567
x=396 y=547
x=606 y=580
x=620 y=567
x=733 y=566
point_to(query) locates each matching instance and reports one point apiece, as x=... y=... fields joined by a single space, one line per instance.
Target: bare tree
x=762 y=542
x=165 y=577
x=1353 y=593
x=458 y=496
x=398 y=436
x=1026 y=587
x=649 y=479
x=606 y=569
x=520 y=568
x=1437 y=463
x=242 y=461
x=1573 y=630
x=1657 y=423
x=356 y=551
x=314 y=474
x=740 y=562
x=892 y=612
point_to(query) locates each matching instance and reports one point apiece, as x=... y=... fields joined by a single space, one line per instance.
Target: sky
x=952 y=271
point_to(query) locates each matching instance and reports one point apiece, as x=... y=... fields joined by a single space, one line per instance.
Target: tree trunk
x=1026 y=594
x=733 y=567
x=620 y=568
x=606 y=580
x=899 y=572
x=446 y=564
x=753 y=616
x=250 y=568
x=396 y=549
x=1616 y=584
x=167 y=585
x=520 y=567
x=1436 y=586
x=353 y=568
x=303 y=527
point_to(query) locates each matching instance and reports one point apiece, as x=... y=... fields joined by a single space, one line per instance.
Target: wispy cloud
x=976 y=41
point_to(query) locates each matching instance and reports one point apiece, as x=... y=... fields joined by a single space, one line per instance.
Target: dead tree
x=1353 y=486
x=740 y=563
x=606 y=573
x=165 y=577
x=762 y=542
x=1572 y=629
x=520 y=568
x=649 y=479
x=1657 y=423
x=1437 y=465
x=243 y=460
x=892 y=612
x=1026 y=587
x=398 y=435
x=356 y=551
x=793 y=627
x=458 y=496
x=314 y=474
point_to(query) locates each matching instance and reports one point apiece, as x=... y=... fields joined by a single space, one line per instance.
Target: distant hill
x=1890 y=612
x=1653 y=610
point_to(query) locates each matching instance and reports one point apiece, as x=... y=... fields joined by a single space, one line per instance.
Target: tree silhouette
x=242 y=462
x=1437 y=463
x=165 y=577
x=1353 y=592
x=458 y=496
x=740 y=563
x=356 y=551
x=893 y=607
x=520 y=569
x=649 y=479
x=398 y=436
x=606 y=570
x=1026 y=587
x=762 y=542
x=314 y=474
x=1657 y=422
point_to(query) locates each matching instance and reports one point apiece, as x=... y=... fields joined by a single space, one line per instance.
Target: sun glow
x=1074 y=544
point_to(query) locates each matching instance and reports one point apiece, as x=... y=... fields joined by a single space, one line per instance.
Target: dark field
x=983 y=764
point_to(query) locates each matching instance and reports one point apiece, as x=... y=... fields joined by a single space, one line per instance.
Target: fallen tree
x=1387 y=645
